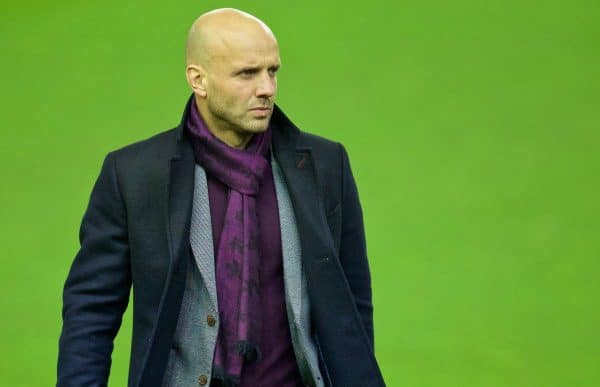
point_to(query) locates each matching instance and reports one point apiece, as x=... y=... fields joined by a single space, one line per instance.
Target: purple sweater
x=278 y=365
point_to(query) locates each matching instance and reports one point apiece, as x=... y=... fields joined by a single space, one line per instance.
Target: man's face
x=242 y=83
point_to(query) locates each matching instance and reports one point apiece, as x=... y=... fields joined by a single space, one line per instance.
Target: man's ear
x=196 y=78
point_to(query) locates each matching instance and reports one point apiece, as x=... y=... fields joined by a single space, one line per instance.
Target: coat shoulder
x=157 y=146
x=145 y=162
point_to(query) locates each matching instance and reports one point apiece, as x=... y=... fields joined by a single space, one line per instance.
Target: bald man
x=241 y=236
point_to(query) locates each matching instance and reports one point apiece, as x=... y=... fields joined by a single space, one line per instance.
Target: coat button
x=211 y=320
x=202 y=380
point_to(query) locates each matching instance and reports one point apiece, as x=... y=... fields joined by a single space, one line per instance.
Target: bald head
x=221 y=31
x=232 y=60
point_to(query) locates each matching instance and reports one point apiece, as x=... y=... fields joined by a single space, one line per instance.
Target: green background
x=472 y=128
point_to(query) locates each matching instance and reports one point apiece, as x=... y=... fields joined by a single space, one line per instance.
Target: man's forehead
x=247 y=60
x=243 y=49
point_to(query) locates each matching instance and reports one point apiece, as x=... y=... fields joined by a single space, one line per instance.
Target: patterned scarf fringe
x=249 y=351
x=226 y=380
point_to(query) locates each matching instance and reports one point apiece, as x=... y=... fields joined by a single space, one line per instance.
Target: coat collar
x=300 y=172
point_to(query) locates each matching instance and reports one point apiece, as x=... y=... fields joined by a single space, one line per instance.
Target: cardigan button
x=202 y=380
x=211 y=320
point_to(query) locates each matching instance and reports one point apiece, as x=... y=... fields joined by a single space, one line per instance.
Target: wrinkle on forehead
x=224 y=33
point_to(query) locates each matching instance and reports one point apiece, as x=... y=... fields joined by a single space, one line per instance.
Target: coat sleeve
x=353 y=249
x=96 y=291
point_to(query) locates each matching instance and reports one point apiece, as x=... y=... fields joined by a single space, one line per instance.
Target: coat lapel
x=180 y=189
x=300 y=176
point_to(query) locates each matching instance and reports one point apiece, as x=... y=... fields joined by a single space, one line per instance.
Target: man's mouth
x=261 y=111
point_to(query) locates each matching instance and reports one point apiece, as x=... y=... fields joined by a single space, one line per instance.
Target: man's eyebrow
x=250 y=69
x=255 y=68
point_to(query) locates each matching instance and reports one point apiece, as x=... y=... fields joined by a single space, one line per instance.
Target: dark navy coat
x=135 y=234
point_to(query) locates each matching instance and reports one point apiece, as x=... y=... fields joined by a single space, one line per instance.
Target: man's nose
x=267 y=86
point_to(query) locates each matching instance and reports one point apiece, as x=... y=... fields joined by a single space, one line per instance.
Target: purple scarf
x=237 y=254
